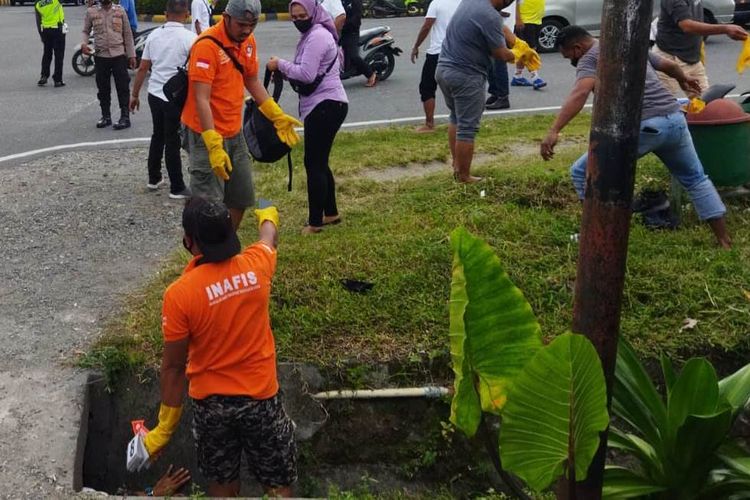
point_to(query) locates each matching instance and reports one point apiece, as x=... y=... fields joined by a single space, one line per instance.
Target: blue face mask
x=303 y=26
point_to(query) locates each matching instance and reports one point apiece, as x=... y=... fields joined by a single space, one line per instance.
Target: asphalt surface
x=34 y=118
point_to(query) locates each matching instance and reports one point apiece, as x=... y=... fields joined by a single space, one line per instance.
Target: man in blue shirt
x=129 y=7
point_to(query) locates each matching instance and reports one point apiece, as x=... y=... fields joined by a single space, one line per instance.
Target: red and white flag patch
x=203 y=63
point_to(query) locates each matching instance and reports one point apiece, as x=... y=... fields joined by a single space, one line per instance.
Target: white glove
x=137 y=458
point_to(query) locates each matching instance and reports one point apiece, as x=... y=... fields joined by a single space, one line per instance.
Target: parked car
x=588 y=14
x=741 y=12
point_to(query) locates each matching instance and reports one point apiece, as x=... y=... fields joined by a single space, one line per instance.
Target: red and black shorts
x=226 y=426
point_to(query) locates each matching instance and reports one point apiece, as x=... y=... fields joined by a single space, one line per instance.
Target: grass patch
x=395 y=234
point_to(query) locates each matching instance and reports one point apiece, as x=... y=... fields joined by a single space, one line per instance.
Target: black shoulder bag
x=306 y=89
x=260 y=133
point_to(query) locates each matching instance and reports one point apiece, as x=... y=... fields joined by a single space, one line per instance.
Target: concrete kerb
x=160 y=18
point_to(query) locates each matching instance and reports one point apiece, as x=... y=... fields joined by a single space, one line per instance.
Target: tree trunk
x=610 y=176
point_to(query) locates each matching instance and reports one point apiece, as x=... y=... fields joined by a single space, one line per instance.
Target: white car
x=588 y=15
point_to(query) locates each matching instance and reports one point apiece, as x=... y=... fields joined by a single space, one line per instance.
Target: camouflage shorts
x=225 y=426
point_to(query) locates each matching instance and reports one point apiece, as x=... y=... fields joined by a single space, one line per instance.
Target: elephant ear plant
x=552 y=399
x=682 y=442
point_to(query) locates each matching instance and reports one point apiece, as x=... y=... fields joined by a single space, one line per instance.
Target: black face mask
x=574 y=62
x=303 y=26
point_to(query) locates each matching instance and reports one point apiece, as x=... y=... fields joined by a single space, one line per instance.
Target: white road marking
x=62 y=147
x=370 y=123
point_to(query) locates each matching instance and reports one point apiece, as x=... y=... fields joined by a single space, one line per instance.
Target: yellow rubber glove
x=284 y=123
x=532 y=61
x=744 y=60
x=217 y=157
x=268 y=213
x=526 y=55
x=169 y=417
x=695 y=105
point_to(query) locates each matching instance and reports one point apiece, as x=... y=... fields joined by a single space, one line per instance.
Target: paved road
x=34 y=118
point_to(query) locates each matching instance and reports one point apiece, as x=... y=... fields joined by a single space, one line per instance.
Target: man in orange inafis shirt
x=223 y=63
x=217 y=335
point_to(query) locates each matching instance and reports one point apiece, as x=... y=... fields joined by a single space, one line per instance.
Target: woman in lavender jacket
x=323 y=111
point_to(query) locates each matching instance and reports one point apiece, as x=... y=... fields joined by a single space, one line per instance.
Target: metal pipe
x=610 y=176
x=410 y=392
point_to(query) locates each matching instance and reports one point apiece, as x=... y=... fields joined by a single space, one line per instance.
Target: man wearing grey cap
x=223 y=63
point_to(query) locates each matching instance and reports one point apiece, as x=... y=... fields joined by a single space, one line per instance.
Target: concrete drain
x=339 y=444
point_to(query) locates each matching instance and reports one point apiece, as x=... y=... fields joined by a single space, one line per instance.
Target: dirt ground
x=78 y=231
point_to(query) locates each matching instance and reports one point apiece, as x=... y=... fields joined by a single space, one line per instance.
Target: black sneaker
x=42 y=81
x=104 y=121
x=122 y=123
x=650 y=201
x=499 y=103
x=59 y=84
x=490 y=100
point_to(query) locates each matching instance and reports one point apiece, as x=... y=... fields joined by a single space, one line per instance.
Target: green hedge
x=156 y=7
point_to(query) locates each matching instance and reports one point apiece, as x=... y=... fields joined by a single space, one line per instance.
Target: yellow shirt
x=51 y=13
x=531 y=11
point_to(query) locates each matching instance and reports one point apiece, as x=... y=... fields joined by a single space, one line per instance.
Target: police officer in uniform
x=113 y=41
x=49 y=22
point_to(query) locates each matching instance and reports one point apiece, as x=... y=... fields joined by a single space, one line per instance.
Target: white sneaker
x=182 y=195
x=154 y=187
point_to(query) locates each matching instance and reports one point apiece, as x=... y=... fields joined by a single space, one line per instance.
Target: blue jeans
x=669 y=139
x=498 y=79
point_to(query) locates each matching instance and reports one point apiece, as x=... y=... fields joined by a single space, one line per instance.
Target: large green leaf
x=733 y=481
x=493 y=331
x=736 y=388
x=693 y=455
x=736 y=458
x=668 y=371
x=695 y=392
x=635 y=399
x=555 y=413
x=639 y=448
x=621 y=483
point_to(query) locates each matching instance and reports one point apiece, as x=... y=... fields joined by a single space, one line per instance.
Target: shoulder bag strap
x=237 y=64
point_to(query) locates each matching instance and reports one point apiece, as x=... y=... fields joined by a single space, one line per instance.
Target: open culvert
x=376 y=445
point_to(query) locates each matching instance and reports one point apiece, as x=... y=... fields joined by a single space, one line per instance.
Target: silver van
x=588 y=14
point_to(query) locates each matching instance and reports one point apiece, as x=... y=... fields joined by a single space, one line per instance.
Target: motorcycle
x=390 y=8
x=83 y=64
x=378 y=50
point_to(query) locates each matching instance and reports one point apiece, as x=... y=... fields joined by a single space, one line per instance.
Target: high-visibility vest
x=51 y=13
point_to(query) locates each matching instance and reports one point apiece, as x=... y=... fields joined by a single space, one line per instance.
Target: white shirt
x=442 y=12
x=510 y=21
x=167 y=48
x=199 y=11
x=334 y=7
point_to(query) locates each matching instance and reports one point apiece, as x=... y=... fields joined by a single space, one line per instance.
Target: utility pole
x=605 y=226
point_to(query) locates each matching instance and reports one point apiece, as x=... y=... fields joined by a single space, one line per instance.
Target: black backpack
x=260 y=134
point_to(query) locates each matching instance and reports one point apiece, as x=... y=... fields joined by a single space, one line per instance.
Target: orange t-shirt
x=223 y=308
x=210 y=64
